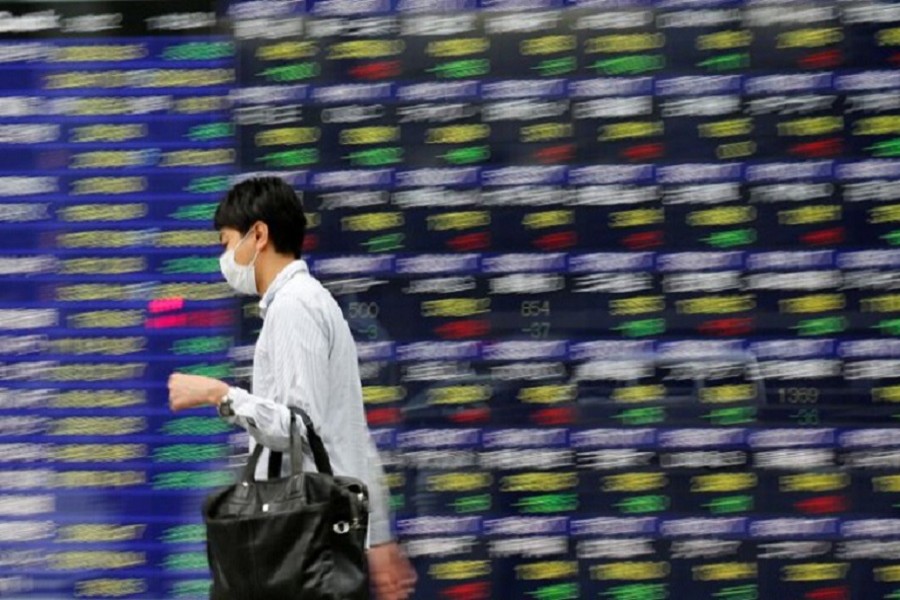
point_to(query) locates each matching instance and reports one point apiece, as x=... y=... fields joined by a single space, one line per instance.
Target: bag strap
x=320 y=455
x=274 y=465
x=249 y=475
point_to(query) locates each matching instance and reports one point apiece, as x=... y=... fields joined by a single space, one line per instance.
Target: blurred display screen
x=623 y=275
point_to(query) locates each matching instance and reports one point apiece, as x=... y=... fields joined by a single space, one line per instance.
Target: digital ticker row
x=280 y=44
x=606 y=39
x=433 y=211
x=533 y=122
x=537 y=557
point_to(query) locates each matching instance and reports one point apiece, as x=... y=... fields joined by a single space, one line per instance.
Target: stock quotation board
x=623 y=274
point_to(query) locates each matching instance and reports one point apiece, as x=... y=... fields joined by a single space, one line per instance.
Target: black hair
x=270 y=200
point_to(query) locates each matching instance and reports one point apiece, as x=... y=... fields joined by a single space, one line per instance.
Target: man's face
x=232 y=238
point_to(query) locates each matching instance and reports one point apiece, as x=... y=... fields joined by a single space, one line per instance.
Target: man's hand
x=392 y=576
x=191 y=391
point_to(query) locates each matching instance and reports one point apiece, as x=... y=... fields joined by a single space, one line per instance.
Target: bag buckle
x=342 y=527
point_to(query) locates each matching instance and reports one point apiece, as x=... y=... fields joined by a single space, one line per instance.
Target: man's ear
x=261 y=236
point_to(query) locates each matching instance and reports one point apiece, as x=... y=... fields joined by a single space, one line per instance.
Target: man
x=305 y=356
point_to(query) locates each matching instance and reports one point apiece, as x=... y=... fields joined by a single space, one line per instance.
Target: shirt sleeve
x=264 y=419
x=298 y=346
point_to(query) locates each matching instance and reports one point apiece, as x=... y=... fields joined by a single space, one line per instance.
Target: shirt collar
x=286 y=274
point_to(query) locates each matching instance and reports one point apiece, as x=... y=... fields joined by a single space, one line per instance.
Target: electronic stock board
x=623 y=276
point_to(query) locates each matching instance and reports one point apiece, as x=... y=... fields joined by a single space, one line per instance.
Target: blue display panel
x=622 y=274
x=117 y=143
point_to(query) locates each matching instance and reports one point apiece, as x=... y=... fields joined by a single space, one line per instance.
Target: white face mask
x=242 y=278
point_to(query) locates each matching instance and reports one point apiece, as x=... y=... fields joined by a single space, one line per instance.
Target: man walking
x=305 y=356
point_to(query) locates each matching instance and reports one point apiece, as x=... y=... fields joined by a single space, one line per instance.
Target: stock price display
x=117 y=144
x=623 y=276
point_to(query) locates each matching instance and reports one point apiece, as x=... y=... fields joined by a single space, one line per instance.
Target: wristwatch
x=225 y=407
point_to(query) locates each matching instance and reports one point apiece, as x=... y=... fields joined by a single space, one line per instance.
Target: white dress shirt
x=306 y=356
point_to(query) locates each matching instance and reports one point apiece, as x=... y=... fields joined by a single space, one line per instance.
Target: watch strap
x=225 y=408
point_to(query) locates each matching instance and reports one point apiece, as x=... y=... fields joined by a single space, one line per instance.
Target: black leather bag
x=300 y=537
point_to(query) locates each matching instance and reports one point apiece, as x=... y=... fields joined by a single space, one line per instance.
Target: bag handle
x=320 y=455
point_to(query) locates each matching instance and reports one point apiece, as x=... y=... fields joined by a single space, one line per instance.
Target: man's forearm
x=379 y=500
x=266 y=420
